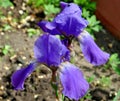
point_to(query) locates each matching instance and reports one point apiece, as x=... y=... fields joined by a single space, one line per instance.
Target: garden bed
x=104 y=83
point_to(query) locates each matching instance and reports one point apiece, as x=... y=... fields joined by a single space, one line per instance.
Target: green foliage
x=31 y=32
x=50 y=6
x=5 y=3
x=55 y=87
x=91 y=78
x=50 y=9
x=87 y=96
x=117 y=96
x=6 y=27
x=105 y=81
x=5 y=49
x=1 y=15
x=38 y=3
x=114 y=63
x=94 y=24
x=87 y=4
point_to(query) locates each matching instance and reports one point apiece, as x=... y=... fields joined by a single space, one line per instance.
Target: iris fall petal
x=91 y=51
x=73 y=82
x=19 y=76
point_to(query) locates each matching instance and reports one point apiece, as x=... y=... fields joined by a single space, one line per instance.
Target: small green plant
x=105 y=81
x=94 y=24
x=87 y=96
x=38 y=3
x=91 y=78
x=50 y=9
x=114 y=63
x=6 y=27
x=117 y=96
x=31 y=32
x=5 y=3
x=1 y=15
x=5 y=49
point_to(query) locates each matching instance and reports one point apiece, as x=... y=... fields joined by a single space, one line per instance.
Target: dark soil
x=37 y=86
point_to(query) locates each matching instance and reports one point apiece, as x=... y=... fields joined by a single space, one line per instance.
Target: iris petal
x=70 y=24
x=73 y=82
x=91 y=51
x=63 y=4
x=70 y=8
x=49 y=50
x=19 y=76
x=48 y=27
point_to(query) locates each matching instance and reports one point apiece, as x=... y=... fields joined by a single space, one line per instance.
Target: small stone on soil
x=7 y=68
x=36 y=95
x=24 y=58
x=21 y=12
x=2 y=87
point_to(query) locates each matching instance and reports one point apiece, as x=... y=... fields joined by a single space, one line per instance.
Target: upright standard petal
x=69 y=24
x=72 y=80
x=91 y=51
x=70 y=8
x=63 y=4
x=49 y=50
x=19 y=76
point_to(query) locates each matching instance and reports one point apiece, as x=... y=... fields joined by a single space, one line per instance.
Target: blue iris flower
x=55 y=54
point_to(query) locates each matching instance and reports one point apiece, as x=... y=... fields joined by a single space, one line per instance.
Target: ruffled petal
x=70 y=24
x=70 y=8
x=48 y=27
x=63 y=4
x=91 y=51
x=19 y=76
x=73 y=82
x=49 y=50
x=42 y=25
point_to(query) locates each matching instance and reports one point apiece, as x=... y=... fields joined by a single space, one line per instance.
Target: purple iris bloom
x=49 y=50
x=91 y=51
x=68 y=22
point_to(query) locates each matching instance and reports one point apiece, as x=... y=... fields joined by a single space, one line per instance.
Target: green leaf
x=105 y=81
x=50 y=9
x=5 y=3
x=32 y=31
x=6 y=27
x=96 y=28
x=85 y=13
x=6 y=49
x=117 y=96
x=91 y=79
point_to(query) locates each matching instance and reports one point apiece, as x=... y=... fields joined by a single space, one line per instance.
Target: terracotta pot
x=108 y=12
